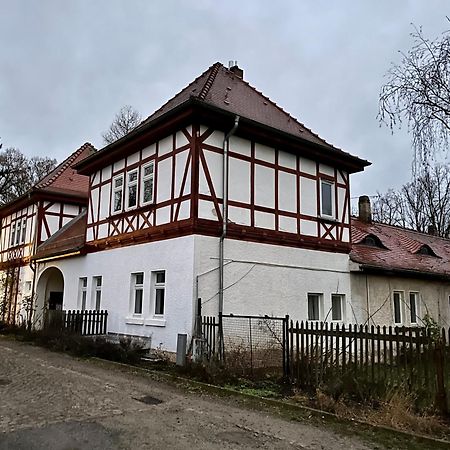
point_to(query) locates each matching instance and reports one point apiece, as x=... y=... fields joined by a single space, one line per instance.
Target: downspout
x=225 y=171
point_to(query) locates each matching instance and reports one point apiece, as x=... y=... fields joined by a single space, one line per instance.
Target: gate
x=249 y=345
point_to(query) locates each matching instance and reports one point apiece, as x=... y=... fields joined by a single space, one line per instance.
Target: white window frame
x=332 y=193
x=319 y=305
x=130 y=184
x=24 y=230
x=158 y=286
x=417 y=306
x=18 y=231
x=117 y=189
x=137 y=287
x=82 y=293
x=12 y=236
x=145 y=178
x=401 y=296
x=341 y=306
x=97 y=292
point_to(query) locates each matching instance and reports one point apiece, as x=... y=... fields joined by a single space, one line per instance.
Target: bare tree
x=18 y=173
x=423 y=202
x=126 y=120
x=418 y=91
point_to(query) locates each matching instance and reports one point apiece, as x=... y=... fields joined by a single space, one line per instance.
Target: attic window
x=372 y=241
x=425 y=250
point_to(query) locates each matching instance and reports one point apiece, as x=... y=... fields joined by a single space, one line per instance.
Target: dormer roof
x=405 y=251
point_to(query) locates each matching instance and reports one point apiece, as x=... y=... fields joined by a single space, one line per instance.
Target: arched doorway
x=49 y=294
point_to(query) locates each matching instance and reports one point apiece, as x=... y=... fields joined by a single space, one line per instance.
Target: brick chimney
x=236 y=69
x=364 y=209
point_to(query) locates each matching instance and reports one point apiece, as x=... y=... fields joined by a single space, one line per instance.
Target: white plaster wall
x=175 y=256
x=373 y=298
x=273 y=280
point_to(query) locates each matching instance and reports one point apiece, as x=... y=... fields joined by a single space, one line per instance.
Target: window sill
x=134 y=320
x=155 y=322
x=328 y=219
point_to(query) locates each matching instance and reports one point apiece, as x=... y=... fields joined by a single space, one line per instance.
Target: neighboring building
x=157 y=217
x=397 y=275
x=32 y=219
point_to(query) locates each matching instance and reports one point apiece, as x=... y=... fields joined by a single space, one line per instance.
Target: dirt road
x=53 y=401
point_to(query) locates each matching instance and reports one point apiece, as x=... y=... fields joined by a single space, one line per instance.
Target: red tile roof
x=401 y=250
x=222 y=88
x=65 y=179
x=70 y=238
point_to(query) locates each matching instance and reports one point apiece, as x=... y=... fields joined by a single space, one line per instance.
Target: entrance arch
x=49 y=293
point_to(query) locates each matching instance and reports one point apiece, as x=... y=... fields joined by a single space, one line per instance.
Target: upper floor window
x=18 y=232
x=24 y=230
x=326 y=198
x=132 y=184
x=117 y=193
x=147 y=183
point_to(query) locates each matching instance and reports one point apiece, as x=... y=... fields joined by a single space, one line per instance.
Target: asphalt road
x=53 y=401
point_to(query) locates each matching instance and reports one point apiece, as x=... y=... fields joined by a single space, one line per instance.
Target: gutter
x=225 y=173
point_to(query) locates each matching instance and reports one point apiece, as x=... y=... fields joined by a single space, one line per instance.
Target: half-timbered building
x=29 y=221
x=219 y=195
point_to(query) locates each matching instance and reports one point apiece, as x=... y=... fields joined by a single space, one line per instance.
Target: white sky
x=66 y=67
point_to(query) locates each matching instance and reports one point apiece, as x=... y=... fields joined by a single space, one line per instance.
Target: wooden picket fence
x=376 y=357
x=86 y=323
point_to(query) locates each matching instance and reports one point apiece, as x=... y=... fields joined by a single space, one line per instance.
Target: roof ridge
x=210 y=80
x=283 y=111
x=58 y=170
x=177 y=94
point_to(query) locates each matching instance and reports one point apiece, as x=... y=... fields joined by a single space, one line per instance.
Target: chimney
x=232 y=65
x=365 y=210
x=432 y=230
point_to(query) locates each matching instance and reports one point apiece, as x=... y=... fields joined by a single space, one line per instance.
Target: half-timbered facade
x=219 y=195
x=32 y=219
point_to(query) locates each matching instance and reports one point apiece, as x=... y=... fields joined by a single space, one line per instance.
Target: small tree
x=418 y=90
x=126 y=120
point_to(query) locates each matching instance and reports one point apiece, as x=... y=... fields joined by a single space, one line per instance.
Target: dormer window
x=425 y=250
x=372 y=241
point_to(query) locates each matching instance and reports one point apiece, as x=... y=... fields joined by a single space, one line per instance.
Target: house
x=397 y=275
x=219 y=195
x=32 y=219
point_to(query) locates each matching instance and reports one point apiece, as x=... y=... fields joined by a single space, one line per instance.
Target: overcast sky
x=68 y=66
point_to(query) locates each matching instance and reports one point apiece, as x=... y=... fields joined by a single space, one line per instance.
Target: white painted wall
x=273 y=280
x=175 y=256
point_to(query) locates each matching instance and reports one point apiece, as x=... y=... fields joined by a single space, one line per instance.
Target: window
x=159 y=285
x=24 y=230
x=137 y=283
x=397 y=303
x=426 y=250
x=18 y=231
x=27 y=287
x=117 y=193
x=97 y=283
x=132 y=182
x=147 y=183
x=413 y=306
x=314 y=306
x=326 y=198
x=13 y=235
x=337 y=306
x=82 y=295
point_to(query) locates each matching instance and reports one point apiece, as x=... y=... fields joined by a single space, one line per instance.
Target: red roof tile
x=401 y=249
x=64 y=179
x=70 y=238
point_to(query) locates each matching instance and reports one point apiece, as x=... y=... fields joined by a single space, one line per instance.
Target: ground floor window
x=97 y=290
x=82 y=295
x=137 y=286
x=337 y=306
x=413 y=306
x=397 y=306
x=314 y=301
x=159 y=288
